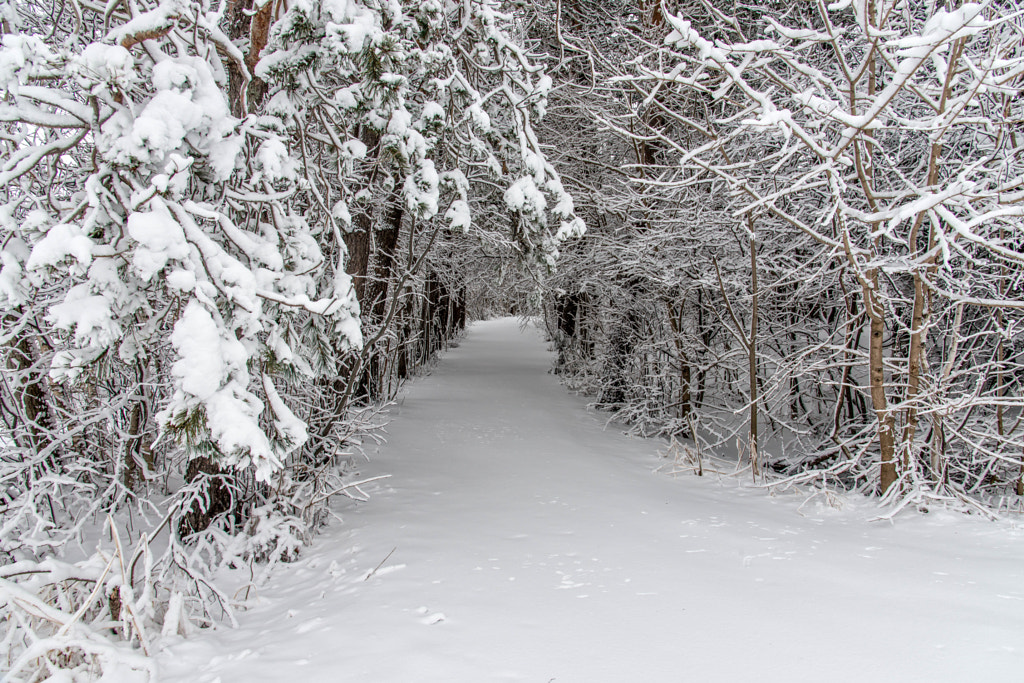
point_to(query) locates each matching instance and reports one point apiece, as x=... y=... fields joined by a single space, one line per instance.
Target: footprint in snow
x=309 y=625
x=430 y=619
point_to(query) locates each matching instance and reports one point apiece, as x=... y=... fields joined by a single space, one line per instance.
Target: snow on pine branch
x=424 y=90
x=175 y=135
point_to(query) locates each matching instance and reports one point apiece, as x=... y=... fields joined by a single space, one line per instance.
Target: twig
x=367 y=578
x=355 y=485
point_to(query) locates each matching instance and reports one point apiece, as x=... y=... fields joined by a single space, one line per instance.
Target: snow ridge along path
x=529 y=544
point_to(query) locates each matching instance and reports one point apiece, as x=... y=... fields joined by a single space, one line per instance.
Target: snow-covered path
x=531 y=545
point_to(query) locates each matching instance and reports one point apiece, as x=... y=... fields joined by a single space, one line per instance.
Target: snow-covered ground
x=519 y=541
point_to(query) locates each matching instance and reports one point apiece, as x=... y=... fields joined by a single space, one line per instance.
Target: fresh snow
x=518 y=540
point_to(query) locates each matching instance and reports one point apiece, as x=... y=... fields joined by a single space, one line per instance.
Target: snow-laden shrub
x=173 y=319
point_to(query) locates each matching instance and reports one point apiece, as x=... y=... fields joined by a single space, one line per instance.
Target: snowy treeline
x=231 y=228
x=218 y=220
x=805 y=234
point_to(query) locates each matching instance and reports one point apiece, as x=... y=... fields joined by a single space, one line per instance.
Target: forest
x=789 y=234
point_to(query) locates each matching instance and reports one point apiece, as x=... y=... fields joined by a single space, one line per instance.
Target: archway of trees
x=232 y=228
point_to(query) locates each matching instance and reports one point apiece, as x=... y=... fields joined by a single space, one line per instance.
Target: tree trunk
x=752 y=352
x=33 y=410
x=357 y=242
x=460 y=309
x=245 y=91
x=217 y=497
x=876 y=373
x=136 y=452
x=685 y=374
x=385 y=243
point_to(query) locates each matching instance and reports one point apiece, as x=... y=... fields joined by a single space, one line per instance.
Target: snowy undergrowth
x=719 y=447
x=141 y=579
